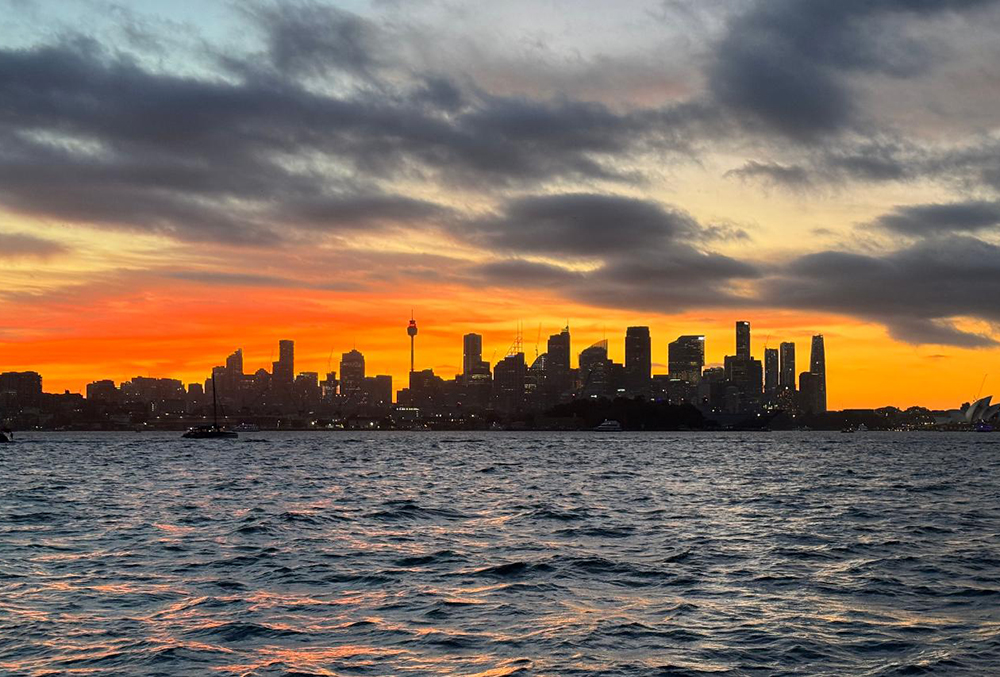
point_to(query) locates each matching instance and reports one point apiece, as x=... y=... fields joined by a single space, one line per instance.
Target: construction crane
x=982 y=383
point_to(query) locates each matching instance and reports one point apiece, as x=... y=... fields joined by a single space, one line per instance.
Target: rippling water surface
x=495 y=554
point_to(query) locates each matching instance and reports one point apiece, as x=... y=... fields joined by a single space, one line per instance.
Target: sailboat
x=205 y=432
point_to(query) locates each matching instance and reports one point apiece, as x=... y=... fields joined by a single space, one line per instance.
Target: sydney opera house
x=979 y=412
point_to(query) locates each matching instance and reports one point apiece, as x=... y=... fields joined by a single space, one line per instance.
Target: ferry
x=609 y=426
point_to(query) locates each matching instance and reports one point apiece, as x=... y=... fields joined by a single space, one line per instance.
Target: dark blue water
x=495 y=554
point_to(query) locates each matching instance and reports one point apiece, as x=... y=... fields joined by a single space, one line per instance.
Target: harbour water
x=500 y=553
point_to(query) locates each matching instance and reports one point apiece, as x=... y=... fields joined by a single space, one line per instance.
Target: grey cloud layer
x=316 y=127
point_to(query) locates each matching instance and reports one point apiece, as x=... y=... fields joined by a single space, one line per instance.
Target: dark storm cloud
x=583 y=224
x=644 y=255
x=204 y=158
x=937 y=219
x=913 y=291
x=20 y=245
x=785 y=65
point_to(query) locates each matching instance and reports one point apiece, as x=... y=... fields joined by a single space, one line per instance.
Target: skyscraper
x=638 y=361
x=234 y=363
x=770 y=371
x=786 y=378
x=809 y=392
x=352 y=374
x=472 y=354
x=686 y=357
x=508 y=383
x=283 y=370
x=817 y=367
x=557 y=373
x=743 y=340
x=595 y=370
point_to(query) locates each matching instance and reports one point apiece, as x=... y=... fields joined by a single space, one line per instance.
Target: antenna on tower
x=538 y=339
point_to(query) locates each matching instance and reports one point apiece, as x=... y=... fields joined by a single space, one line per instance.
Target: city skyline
x=517 y=390
x=179 y=178
x=616 y=349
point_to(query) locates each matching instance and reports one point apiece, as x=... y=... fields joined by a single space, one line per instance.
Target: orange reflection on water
x=310 y=658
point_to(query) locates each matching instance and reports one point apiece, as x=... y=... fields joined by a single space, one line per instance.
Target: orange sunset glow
x=154 y=242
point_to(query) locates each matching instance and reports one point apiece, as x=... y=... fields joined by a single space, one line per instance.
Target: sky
x=180 y=179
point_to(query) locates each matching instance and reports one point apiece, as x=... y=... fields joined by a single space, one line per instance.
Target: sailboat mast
x=215 y=401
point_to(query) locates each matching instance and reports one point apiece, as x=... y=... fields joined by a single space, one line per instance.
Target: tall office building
x=352 y=374
x=283 y=371
x=817 y=367
x=786 y=378
x=809 y=398
x=234 y=363
x=746 y=374
x=557 y=374
x=770 y=371
x=743 y=340
x=595 y=370
x=472 y=354
x=638 y=361
x=509 y=383
x=686 y=358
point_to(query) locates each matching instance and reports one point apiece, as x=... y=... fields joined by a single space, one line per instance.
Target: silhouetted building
x=234 y=363
x=817 y=367
x=786 y=378
x=352 y=375
x=20 y=389
x=770 y=372
x=103 y=391
x=595 y=370
x=686 y=357
x=472 y=354
x=810 y=399
x=743 y=340
x=509 y=383
x=476 y=379
x=557 y=370
x=156 y=394
x=744 y=374
x=638 y=361
x=328 y=387
x=378 y=390
x=283 y=371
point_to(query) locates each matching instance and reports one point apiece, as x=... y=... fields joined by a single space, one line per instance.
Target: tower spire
x=411 y=330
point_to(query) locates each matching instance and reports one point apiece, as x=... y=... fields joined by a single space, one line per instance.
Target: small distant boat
x=983 y=427
x=608 y=426
x=247 y=428
x=214 y=431
x=207 y=432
